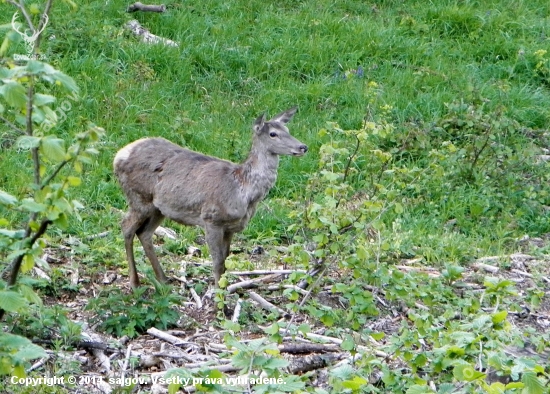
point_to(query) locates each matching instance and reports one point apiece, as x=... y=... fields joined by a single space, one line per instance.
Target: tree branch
x=16 y=263
x=53 y=174
x=43 y=21
x=21 y=7
x=12 y=125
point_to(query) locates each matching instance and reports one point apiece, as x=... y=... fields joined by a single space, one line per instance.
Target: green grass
x=238 y=58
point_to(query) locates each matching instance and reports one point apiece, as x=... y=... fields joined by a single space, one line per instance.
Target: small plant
x=132 y=314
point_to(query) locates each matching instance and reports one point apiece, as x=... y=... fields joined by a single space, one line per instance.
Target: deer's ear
x=259 y=123
x=284 y=117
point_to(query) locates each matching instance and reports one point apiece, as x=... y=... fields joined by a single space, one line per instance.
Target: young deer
x=161 y=179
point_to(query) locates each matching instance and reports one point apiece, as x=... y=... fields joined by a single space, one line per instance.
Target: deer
x=163 y=180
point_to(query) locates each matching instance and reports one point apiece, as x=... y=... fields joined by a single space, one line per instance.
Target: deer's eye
x=273 y=134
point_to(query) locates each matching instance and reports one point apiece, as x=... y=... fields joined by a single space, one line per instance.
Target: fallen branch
x=237 y=311
x=265 y=272
x=301 y=348
x=266 y=304
x=485 y=267
x=310 y=363
x=146 y=36
x=339 y=341
x=165 y=336
x=137 y=6
x=248 y=284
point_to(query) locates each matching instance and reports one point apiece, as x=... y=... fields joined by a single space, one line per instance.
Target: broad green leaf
x=28 y=142
x=355 y=384
x=14 y=234
x=275 y=363
x=466 y=373
x=419 y=389
x=14 y=93
x=19 y=371
x=499 y=317
x=7 y=199
x=28 y=204
x=533 y=384
x=4 y=46
x=29 y=294
x=398 y=207
x=11 y=301
x=40 y=99
x=30 y=352
x=348 y=343
x=28 y=263
x=74 y=181
x=66 y=81
x=36 y=67
x=53 y=148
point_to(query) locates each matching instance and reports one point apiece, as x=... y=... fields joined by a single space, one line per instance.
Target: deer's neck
x=257 y=174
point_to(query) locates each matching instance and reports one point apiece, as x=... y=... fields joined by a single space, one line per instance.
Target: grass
x=238 y=58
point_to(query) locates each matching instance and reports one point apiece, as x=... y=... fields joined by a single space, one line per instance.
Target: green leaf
x=28 y=263
x=419 y=389
x=14 y=93
x=74 y=181
x=533 y=384
x=28 y=142
x=53 y=149
x=13 y=234
x=42 y=99
x=465 y=372
x=36 y=67
x=398 y=207
x=66 y=81
x=348 y=343
x=11 y=301
x=30 y=352
x=28 y=204
x=499 y=317
x=355 y=384
x=7 y=199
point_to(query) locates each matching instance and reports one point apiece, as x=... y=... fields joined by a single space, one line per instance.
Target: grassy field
x=240 y=58
x=462 y=86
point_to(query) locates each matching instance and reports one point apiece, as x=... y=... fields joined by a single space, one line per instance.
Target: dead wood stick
x=425 y=270
x=266 y=304
x=165 y=336
x=99 y=235
x=247 y=284
x=339 y=341
x=488 y=259
x=522 y=273
x=137 y=6
x=174 y=355
x=149 y=38
x=196 y=297
x=237 y=311
x=485 y=267
x=265 y=272
x=125 y=363
x=280 y=286
x=312 y=362
x=300 y=348
x=38 y=364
